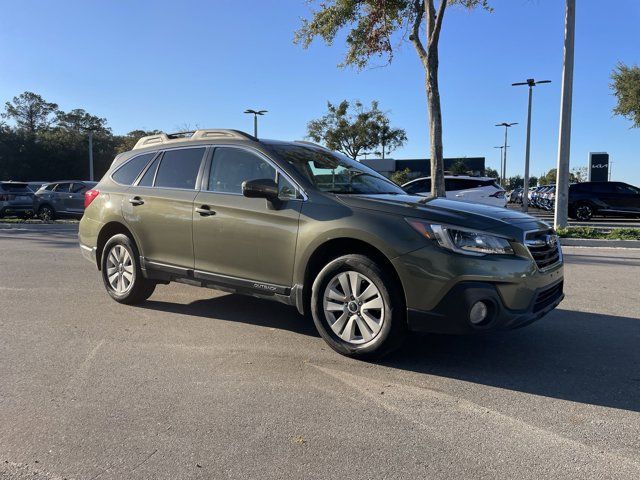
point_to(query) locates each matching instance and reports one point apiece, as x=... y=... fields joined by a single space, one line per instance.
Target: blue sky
x=166 y=64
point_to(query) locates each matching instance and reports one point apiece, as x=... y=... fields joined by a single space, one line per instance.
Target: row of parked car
x=47 y=200
x=587 y=199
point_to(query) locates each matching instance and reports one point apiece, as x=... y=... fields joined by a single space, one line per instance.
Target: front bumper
x=451 y=315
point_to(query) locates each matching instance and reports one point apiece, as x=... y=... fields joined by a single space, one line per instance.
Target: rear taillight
x=498 y=194
x=89 y=196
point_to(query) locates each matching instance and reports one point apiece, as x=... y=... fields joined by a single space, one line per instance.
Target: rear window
x=420 y=186
x=179 y=168
x=14 y=187
x=128 y=172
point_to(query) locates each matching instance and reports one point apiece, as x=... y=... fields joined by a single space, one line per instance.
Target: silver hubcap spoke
x=120 y=269
x=353 y=307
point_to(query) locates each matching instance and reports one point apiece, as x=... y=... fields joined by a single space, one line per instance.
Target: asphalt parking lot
x=201 y=384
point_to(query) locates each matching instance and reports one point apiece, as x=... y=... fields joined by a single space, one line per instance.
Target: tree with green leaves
x=128 y=141
x=491 y=173
x=372 y=25
x=352 y=128
x=30 y=112
x=626 y=88
x=400 y=177
x=80 y=121
x=387 y=137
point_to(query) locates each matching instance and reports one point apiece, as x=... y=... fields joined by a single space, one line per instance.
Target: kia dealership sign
x=598 y=167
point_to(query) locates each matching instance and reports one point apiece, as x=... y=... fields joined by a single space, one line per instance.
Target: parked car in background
x=35 y=186
x=15 y=199
x=61 y=199
x=608 y=199
x=483 y=190
x=515 y=195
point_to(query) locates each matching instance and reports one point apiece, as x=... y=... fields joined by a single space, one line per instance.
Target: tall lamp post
x=255 y=114
x=501 y=147
x=564 y=140
x=525 y=192
x=506 y=125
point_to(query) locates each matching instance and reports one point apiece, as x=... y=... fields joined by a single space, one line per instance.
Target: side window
x=128 y=172
x=453 y=184
x=50 y=187
x=62 y=187
x=232 y=166
x=604 y=188
x=179 y=168
x=286 y=190
x=147 y=178
x=78 y=188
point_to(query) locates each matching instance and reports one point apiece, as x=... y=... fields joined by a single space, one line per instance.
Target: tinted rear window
x=128 y=172
x=179 y=168
x=12 y=187
x=421 y=186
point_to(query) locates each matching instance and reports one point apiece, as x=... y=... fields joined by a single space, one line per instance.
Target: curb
x=588 y=242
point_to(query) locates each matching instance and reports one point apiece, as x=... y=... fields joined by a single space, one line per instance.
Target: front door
x=247 y=239
x=160 y=208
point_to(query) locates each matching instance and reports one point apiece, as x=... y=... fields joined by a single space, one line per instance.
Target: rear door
x=75 y=200
x=60 y=196
x=159 y=208
x=247 y=239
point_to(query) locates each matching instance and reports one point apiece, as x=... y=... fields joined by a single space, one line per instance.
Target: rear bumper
x=451 y=315
x=88 y=252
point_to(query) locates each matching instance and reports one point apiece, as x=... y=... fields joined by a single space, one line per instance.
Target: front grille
x=547 y=297
x=544 y=247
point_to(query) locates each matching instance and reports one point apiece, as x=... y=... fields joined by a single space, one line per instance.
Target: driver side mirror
x=260 y=188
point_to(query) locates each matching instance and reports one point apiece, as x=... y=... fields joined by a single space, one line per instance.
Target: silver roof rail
x=203 y=134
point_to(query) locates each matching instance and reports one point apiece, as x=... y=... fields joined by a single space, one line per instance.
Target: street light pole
x=255 y=114
x=525 y=191
x=564 y=140
x=91 y=155
x=506 y=126
x=501 y=147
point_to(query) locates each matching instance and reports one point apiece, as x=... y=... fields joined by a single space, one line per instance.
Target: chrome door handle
x=136 y=201
x=205 y=210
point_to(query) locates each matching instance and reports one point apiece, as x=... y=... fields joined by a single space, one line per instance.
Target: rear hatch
x=16 y=193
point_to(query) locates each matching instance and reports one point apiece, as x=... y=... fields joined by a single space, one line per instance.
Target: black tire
x=393 y=319
x=583 y=212
x=47 y=213
x=139 y=288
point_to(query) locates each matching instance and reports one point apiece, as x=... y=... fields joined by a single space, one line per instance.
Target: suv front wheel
x=121 y=271
x=357 y=308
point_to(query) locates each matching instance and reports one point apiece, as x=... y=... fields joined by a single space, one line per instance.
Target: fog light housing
x=478 y=313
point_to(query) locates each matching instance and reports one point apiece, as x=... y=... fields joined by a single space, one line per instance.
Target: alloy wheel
x=583 y=212
x=353 y=307
x=120 y=269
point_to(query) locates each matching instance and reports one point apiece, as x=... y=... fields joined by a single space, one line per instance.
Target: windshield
x=333 y=172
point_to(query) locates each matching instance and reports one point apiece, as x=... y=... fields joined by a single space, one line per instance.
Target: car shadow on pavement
x=577 y=356
x=241 y=309
x=58 y=239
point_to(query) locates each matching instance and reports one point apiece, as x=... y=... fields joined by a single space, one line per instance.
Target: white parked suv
x=483 y=190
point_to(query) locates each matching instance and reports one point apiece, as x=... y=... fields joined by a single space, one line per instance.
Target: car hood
x=440 y=210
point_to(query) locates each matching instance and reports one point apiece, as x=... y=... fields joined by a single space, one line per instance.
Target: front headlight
x=461 y=240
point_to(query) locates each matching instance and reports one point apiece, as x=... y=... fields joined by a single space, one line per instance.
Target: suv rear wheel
x=357 y=308
x=584 y=212
x=121 y=271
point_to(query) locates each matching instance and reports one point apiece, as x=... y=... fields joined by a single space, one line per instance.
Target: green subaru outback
x=300 y=224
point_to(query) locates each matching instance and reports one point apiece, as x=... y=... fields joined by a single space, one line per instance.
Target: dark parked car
x=61 y=199
x=15 y=199
x=608 y=199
